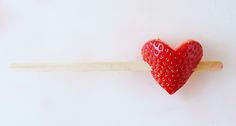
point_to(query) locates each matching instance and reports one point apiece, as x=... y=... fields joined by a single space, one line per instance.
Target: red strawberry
x=172 y=68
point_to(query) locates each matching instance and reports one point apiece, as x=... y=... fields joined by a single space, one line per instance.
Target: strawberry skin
x=172 y=68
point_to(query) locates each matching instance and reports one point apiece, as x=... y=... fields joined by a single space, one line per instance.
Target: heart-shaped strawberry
x=172 y=68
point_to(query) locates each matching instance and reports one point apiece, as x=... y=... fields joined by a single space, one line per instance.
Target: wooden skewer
x=209 y=65
x=103 y=66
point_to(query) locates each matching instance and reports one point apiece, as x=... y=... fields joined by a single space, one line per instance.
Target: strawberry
x=172 y=68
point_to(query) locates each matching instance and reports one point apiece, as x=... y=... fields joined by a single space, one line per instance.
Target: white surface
x=108 y=30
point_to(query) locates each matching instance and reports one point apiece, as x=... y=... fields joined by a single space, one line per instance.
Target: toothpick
x=103 y=66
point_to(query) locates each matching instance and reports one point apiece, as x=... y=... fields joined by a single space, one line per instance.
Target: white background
x=113 y=30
